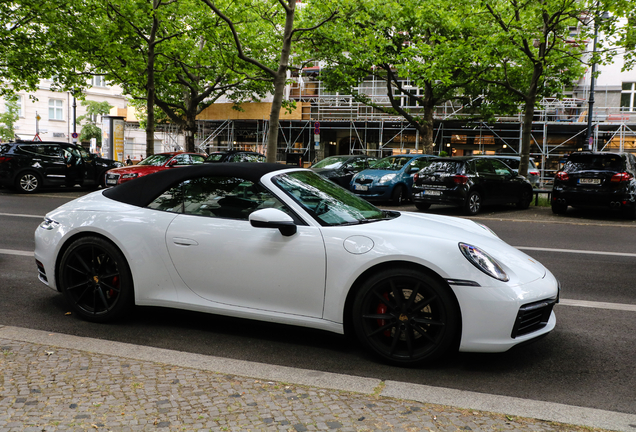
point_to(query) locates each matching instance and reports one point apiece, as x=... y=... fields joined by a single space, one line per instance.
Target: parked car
x=534 y=175
x=30 y=166
x=235 y=156
x=318 y=257
x=596 y=179
x=341 y=169
x=470 y=182
x=152 y=164
x=390 y=178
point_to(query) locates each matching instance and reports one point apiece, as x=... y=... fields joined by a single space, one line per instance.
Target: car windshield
x=330 y=204
x=332 y=162
x=392 y=163
x=449 y=167
x=155 y=160
x=594 y=162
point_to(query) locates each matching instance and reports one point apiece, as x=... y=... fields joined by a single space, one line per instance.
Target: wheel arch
x=348 y=306
x=69 y=241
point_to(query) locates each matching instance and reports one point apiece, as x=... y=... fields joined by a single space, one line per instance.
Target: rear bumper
x=448 y=197
x=607 y=199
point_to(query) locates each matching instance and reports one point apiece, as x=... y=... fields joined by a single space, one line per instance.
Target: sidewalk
x=55 y=382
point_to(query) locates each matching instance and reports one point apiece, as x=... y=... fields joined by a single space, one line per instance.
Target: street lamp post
x=590 y=112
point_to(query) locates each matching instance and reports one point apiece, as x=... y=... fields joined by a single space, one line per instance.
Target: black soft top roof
x=140 y=192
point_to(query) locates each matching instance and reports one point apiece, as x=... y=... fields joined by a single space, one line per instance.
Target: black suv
x=29 y=166
x=596 y=179
x=469 y=182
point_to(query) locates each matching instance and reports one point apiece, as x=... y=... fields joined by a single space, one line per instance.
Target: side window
x=483 y=166
x=500 y=168
x=221 y=197
x=183 y=159
x=357 y=164
x=51 y=151
x=196 y=159
x=421 y=163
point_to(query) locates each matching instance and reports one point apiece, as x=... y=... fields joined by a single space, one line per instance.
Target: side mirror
x=172 y=163
x=273 y=218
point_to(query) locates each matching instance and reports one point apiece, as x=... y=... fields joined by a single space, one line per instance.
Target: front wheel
x=95 y=279
x=525 y=199
x=405 y=317
x=398 y=196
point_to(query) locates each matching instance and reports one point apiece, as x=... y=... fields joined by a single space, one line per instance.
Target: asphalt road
x=587 y=361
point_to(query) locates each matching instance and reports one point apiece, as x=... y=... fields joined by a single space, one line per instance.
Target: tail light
x=562 y=175
x=621 y=177
x=4 y=159
x=460 y=179
x=416 y=177
x=536 y=173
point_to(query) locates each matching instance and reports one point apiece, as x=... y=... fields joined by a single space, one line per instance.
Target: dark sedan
x=596 y=179
x=340 y=169
x=470 y=182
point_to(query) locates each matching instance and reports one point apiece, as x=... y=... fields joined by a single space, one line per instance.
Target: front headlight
x=483 y=262
x=386 y=178
x=49 y=224
x=129 y=176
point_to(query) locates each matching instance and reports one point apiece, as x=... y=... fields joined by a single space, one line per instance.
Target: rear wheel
x=28 y=182
x=472 y=205
x=558 y=208
x=398 y=196
x=405 y=316
x=422 y=206
x=95 y=279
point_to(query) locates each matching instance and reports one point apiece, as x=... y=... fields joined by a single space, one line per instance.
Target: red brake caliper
x=111 y=292
x=382 y=310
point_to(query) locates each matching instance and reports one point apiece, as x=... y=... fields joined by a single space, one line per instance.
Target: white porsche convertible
x=266 y=242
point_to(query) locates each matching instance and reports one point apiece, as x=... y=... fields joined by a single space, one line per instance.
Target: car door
x=490 y=182
x=510 y=188
x=222 y=258
x=48 y=160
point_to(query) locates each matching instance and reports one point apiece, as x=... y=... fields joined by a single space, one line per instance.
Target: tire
x=422 y=206
x=398 y=196
x=28 y=182
x=95 y=279
x=559 y=208
x=472 y=205
x=405 y=317
x=525 y=199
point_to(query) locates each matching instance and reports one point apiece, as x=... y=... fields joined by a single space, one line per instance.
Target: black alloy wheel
x=472 y=205
x=405 y=317
x=398 y=196
x=422 y=205
x=525 y=199
x=95 y=279
x=28 y=182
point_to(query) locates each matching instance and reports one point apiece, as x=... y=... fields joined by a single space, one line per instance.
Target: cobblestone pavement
x=51 y=388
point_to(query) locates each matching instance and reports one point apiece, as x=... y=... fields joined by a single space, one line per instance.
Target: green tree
x=264 y=33
x=423 y=52
x=8 y=119
x=88 y=121
x=533 y=54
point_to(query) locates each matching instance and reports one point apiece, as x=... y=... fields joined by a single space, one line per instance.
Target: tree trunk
x=528 y=115
x=279 y=84
x=150 y=97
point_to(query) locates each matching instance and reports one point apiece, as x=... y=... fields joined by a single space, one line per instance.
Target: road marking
x=15 y=252
x=623 y=254
x=598 y=305
x=22 y=215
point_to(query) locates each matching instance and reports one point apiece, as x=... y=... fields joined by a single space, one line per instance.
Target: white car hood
x=423 y=228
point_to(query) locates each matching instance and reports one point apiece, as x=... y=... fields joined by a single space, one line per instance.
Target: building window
x=56 y=109
x=98 y=81
x=628 y=97
x=18 y=103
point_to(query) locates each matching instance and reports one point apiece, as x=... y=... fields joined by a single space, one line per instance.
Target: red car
x=152 y=164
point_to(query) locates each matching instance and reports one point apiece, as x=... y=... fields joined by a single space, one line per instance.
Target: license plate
x=432 y=192
x=111 y=181
x=589 y=181
x=361 y=187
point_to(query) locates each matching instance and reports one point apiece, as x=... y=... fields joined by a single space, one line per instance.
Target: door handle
x=179 y=241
